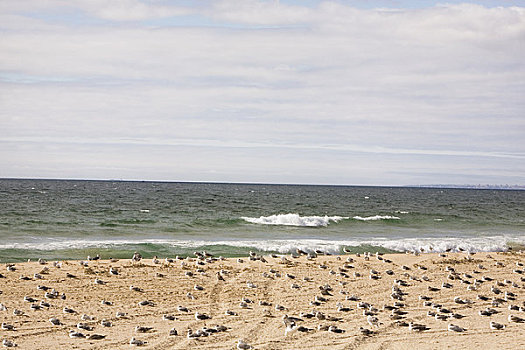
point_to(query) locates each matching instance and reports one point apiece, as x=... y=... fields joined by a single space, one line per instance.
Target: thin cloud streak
x=237 y=144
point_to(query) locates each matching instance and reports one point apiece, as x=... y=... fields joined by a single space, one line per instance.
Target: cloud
x=440 y=82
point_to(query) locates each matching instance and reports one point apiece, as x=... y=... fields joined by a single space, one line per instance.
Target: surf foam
x=295 y=220
x=472 y=244
x=376 y=217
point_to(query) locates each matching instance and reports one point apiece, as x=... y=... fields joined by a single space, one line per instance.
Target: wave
x=376 y=217
x=241 y=247
x=295 y=220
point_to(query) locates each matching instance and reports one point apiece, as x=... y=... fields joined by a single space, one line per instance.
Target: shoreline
x=262 y=326
x=151 y=249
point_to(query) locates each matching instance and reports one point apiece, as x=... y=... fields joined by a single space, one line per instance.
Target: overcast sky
x=327 y=92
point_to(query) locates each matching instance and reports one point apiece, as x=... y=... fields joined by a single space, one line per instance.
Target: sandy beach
x=292 y=283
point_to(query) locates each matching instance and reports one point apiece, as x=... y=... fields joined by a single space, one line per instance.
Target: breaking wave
x=295 y=220
x=79 y=249
x=376 y=217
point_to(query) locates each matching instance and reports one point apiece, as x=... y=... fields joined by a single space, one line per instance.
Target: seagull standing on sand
x=75 y=334
x=417 y=327
x=242 y=345
x=9 y=343
x=199 y=316
x=137 y=342
x=454 y=328
x=55 y=321
x=136 y=258
x=95 y=337
x=7 y=327
x=373 y=321
x=513 y=318
x=496 y=326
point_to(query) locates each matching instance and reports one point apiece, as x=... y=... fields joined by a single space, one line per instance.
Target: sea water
x=63 y=219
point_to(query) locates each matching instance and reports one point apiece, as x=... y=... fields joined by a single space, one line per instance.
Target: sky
x=312 y=92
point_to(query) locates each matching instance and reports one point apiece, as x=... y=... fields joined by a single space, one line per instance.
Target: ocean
x=70 y=219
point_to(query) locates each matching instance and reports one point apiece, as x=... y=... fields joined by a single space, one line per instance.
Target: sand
x=262 y=326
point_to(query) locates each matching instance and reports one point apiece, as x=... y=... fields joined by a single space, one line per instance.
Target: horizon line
x=443 y=186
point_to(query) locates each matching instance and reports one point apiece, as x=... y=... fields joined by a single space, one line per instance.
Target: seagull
x=75 y=334
x=334 y=329
x=373 y=321
x=136 y=258
x=137 y=342
x=342 y=308
x=140 y=329
x=242 y=345
x=106 y=323
x=95 y=337
x=7 y=327
x=454 y=328
x=51 y=295
x=290 y=319
x=68 y=310
x=84 y=326
x=199 y=316
x=496 y=326
x=513 y=318
x=9 y=343
x=173 y=331
x=17 y=312
x=29 y=299
x=441 y=317
x=55 y=321
x=90 y=258
x=86 y=317
x=417 y=327
x=291 y=327
x=487 y=312
x=365 y=331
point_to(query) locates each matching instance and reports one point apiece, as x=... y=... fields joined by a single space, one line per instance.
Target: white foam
x=376 y=217
x=472 y=244
x=294 y=220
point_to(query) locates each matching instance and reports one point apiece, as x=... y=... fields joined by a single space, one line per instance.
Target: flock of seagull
x=341 y=272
